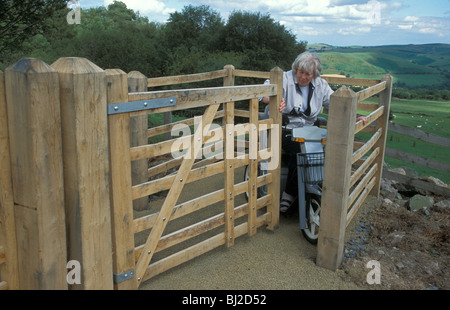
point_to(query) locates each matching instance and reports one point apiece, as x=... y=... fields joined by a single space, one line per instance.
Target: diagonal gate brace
x=172 y=197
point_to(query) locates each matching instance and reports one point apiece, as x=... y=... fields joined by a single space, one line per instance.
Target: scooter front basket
x=310 y=167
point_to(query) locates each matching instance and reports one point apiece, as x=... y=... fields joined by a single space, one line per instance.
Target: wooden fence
x=417 y=160
x=77 y=171
x=74 y=162
x=352 y=171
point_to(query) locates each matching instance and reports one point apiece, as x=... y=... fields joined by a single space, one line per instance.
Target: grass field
x=412 y=66
x=428 y=116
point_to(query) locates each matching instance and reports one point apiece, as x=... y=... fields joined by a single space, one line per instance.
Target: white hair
x=309 y=62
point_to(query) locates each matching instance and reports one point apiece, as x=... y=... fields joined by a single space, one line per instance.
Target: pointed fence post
x=34 y=121
x=336 y=184
x=276 y=77
x=86 y=169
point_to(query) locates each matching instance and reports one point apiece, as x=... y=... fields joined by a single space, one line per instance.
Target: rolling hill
x=412 y=66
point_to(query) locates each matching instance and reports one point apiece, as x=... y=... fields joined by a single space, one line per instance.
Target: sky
x=334 y=22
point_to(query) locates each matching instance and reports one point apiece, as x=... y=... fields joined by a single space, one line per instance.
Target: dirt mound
x=412 y=247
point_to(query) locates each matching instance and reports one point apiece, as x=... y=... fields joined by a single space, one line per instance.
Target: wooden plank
x=333 y=217
x=200 y=97
x=350 y=81
x=172 y=197
x=372 y=117
x=86 y=169
x=137 y=82
x=419 y=134
x=366 y=163
x=8 y=239
x=371 y=91
x=362 y=184
x=187 y=78
x=417 y=160
x=366 y=147
x=253 y=166
x=229 y=172
x=417 y=183
x=354 y=209
x=382 y=123
x=120 y=170
x=34 y=124
x=252 y=74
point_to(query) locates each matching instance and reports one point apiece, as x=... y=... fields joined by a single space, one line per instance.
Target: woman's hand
x=363 y=119
x=282 y=105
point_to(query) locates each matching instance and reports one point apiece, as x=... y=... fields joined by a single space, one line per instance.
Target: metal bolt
x=149 y=252
x=116 y=108
x=171 y=100
x=164 y=218
x=231 y=217
x=181 y=180
x=139 y=279
x=145 y=104
x=231 y=166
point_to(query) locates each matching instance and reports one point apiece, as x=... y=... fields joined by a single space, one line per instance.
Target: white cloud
x=411 y=19
x=148 y=7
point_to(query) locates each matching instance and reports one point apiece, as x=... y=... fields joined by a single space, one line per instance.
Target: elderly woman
x=305 y=93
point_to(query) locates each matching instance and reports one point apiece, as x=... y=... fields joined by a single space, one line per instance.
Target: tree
x=195 y=27
x=265 y=43
x=22 y=19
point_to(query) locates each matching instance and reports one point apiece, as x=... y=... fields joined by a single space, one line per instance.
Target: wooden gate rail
x=349 y=177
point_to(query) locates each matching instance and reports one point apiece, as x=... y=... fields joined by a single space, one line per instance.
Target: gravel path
x=280 y=260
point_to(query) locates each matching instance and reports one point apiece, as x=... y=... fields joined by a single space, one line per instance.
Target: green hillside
x=412 y=66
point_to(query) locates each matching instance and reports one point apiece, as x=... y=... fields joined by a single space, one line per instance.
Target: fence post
x=137 y=82
x=34 y=122
x=382 y=122
x=86 y=169
x=228 y=123
x=276 y=77
x=339 y=150
x=9 y=271
x=121 y=200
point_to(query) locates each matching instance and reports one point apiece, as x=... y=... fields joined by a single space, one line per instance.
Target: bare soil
x=412 y=248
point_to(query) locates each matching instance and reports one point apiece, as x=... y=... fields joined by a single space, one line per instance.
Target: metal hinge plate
x=133 y=106
x=118 y=278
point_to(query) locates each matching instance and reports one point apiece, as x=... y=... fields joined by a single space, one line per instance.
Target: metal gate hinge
x=118 y=278
x=133 y=106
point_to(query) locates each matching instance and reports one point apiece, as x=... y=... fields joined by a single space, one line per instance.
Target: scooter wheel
x=262 y=190
x=311 y=232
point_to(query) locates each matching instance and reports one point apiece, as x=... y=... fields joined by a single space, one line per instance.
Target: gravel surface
x=280 y=260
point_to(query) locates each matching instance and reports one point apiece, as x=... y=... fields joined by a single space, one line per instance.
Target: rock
x=399 y=170
x=388 y=191
x=418 y=202
x=435 y=181
x=443 y=204
x=411 y=172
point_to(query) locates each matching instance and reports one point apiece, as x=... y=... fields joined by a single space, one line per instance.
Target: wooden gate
x=140 y=237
